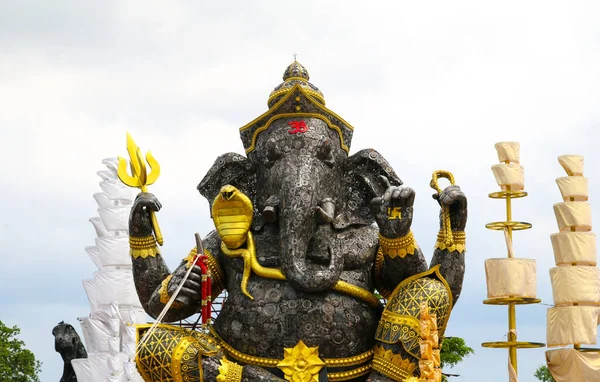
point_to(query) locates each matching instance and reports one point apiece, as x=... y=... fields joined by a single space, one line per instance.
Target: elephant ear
x=362 y=184
x=236 y=170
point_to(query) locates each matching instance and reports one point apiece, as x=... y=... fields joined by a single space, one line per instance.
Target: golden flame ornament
x=301 y=363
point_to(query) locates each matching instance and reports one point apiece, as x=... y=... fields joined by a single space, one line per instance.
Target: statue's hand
x=191 y=290
x=453 y=197
x=140 y=223
x=394 y=210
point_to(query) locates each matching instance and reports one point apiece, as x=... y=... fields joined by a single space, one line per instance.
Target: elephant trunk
x=297 y=226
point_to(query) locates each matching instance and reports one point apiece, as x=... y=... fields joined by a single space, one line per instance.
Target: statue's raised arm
x=402 y=277
x=154 y=282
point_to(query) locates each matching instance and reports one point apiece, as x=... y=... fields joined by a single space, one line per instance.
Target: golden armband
x=143 y=247
x=400 y=246
x=229 y=371
x=164 y=295
x=456 y=243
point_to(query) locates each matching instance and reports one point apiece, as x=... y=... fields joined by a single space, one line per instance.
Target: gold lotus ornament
x=301 y=363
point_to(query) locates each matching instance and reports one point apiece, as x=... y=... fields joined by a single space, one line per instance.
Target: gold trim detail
x=250 y=261
x=216 y=273
x=458 y=241
x=144 y=253
x=309 y=92
x=172 y=353
x=142 y=242
x=284 y=99
x=350 y=374
x=350 y=361
x=445 y=237
x=400 y=246
x=392 y=365
x=295 y=115
x=272 y=363
x=179 y=354
x=395 y=318
x=143 y=247
x=295 y=79
x=432 y=271
x=229 y=371
x=301 y=363
x=429 y=361
x=358 y=292
x=164 y=295
x=176 y=359
x=405 y=302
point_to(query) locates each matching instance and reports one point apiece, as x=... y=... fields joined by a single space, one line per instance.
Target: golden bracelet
x=229 y=371
x=459 y=239
x=143 y=247
x=401 y=246
x=142 y=242
x=164 y=295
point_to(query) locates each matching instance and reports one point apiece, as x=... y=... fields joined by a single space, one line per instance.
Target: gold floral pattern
x=301 y=363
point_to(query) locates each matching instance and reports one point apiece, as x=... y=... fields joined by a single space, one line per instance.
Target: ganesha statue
x=314 y=247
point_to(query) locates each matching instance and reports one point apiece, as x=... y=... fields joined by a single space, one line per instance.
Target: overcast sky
x=430 y=85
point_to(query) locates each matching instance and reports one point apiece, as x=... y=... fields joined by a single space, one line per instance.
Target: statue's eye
x=325 y=151
x=273 y=152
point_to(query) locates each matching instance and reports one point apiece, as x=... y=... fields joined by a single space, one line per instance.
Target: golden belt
x=363 y=359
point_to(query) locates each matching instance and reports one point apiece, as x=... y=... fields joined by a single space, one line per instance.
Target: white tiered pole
x=109 y=330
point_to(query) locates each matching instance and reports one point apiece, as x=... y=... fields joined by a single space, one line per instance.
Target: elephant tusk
x=326 y=211
x=271 y=209
x=270 y=214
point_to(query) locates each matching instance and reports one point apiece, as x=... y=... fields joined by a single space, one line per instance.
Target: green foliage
x=543 y=374
x=17 y=364
x=454 y=349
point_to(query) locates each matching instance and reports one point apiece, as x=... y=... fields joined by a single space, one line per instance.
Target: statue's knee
x=398 y=352
x=173 y=353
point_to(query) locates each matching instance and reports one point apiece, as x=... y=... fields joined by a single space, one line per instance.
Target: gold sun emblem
x=301 y=363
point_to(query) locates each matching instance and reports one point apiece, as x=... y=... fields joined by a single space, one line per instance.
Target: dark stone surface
x=68 y=344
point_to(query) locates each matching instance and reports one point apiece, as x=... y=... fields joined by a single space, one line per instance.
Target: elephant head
x=300 y=178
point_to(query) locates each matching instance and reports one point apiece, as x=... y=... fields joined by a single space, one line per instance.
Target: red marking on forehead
x=297 y=127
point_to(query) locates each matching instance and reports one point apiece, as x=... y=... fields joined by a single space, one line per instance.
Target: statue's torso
x=279 y=316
